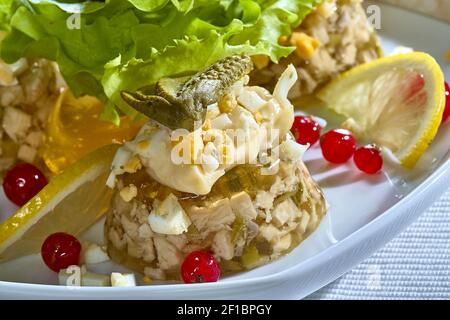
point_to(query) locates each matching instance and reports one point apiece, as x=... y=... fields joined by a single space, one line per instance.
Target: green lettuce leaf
x=105 y=47
x=5 y=10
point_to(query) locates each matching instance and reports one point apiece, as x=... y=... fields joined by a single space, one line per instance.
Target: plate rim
x=423 y=194
x=366 y=233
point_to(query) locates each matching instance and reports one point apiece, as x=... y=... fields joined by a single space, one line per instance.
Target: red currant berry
x=23 y=182
x=200 y=266
x=368 y=159
x=61 y=250
x=338 y=145
x=306 y=130
x=447 y=104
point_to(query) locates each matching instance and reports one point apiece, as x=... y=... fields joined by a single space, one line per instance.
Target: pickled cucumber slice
x=177 y=103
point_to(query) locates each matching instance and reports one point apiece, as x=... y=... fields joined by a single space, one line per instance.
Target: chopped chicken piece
x=222 y=245
x=134 y=249
x=269 y=232
x=118 y=241
x=7 y=77
x=242 y=206
x=130 y=227
x=26 y=153
x=16 y=123
x=178 y=241
x=168 y=255
x=264 y=200
x=285 y=212
x=34 y=139
x=27 y=95
x=149 y=250
x=212 y=218
x=335 y=37
x=252 y=230
x=283 y=244
x=144 y=231
x=11 y=96
x=303 y=225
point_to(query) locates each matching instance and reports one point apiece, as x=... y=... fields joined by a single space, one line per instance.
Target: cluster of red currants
x=338 y=145
x=61 y=250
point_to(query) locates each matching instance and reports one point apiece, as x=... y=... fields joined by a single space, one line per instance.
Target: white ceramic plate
x=366 y=212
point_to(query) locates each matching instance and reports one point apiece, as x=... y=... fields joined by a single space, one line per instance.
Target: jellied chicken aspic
x=235 y=185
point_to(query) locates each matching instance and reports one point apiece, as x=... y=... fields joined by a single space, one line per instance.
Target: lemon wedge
x=396 y=102
x=70 y=203
x=74 y=129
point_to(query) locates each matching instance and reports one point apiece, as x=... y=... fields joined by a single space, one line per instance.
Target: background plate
x=365 y=212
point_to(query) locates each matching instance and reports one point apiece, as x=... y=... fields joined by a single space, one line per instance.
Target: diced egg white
x=122 y=156
x=93 y=253
x=209 y=163
x=212 y=111
x=168 y=217
x=287 y=80
x=285 y=116
x=123 y=279
x=292 y=151
x=238 y=87
x=269 y=110
x=221 y=122
x=210 y=150
x=251 y=100
x=210 y=158
x=243 y=119
x=255 y=115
